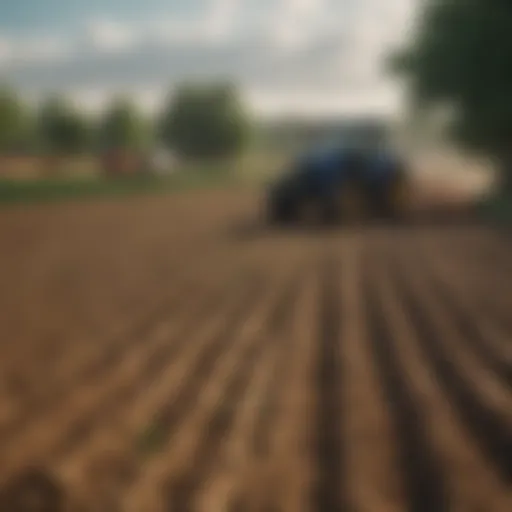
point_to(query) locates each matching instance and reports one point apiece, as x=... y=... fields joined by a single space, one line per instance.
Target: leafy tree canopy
x=123 y=127
x=62 y=128
x=461 y=58
x=14 y=121
x=205 y=121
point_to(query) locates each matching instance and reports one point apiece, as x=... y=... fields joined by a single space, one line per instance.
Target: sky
x=287 y=56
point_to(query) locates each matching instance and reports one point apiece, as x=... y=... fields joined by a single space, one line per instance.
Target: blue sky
x=26 y=15
x=285 y=54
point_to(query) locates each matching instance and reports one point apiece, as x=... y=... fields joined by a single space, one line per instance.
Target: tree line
x=459 y=59
x=197 y=121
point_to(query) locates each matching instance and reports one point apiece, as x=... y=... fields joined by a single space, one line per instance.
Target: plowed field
x=158 y=356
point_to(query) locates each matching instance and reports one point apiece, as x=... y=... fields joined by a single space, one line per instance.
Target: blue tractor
x=341 y=182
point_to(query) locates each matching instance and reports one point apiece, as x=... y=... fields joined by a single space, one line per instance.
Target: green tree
x=460 y=58
x=14 y=122
x=123 y=134
x=205 y=121
x=62 y=128
x=123 y=127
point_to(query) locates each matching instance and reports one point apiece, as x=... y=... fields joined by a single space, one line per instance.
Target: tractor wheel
x=399 y=198
x=310 y=212
x=352 y=203
x=277 y=214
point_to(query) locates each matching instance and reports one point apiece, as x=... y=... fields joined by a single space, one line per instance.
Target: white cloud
x=219 y=21
x=383 y=102
x=105 y=35
x=45 y=49
x=216 y=24
x=40 y=50
x=5 y=52
x=294 y=50
x=295 y=22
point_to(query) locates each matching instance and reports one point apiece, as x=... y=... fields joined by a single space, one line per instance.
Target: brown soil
x=162 y=354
